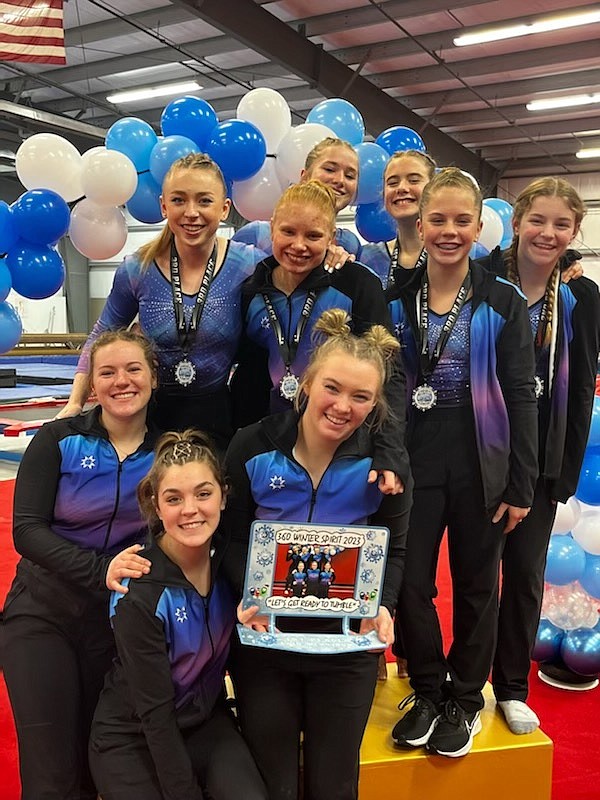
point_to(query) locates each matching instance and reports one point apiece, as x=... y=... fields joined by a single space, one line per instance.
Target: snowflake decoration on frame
x=264 y=534
x=362 y=641
x=264 y=559
x=267 y=639
x=368 y=575
x=258 y=575
x=363 y=609
x=373 y=553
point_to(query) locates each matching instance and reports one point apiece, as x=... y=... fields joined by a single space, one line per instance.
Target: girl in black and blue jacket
x=472 y=442
x=565 y=323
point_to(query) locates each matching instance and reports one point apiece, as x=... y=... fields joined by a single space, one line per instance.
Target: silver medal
x=288 y=386
x=539 y=386
x=185 y=372
x=424 y=397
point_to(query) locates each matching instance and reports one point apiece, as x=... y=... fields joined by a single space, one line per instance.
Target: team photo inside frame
x=314 y=570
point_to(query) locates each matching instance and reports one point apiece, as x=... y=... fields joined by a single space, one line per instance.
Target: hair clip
x=182 y=450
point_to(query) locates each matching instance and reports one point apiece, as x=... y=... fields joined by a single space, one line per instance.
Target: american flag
x=32 y=30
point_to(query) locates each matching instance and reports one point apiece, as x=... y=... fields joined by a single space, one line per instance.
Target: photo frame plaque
x=314 y=570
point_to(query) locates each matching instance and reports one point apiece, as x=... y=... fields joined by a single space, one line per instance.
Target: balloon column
x=569 y=631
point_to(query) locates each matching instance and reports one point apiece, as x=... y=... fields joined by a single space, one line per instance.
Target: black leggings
x=326 y=697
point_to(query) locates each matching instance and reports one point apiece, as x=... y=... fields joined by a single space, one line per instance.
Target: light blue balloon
x=372 y=160
x=400 y=138
x=10 y=327
x=588 y=488
x=341 y=117
x=8 y=229
x=166 y=151
x=505 y=212
x=37 y=270
x=145 y=203
x=374 y=223
x=580 y=650
x=191 y=117
x=41 y=216
x=565 y=561
x=5 y=281
x=506 y=242
x=547 y=641
x=594 y=434
x=478 y=251
x=590 y=580
x=238 y=147
x=134 y=138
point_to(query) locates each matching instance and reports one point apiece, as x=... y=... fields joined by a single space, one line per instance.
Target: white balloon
x=269 y=111
x=108 y=177
x=493 y=228
x=295 y=146
x=567 y=516
x=47 y=161
x=587 y=533
x=98 y=232
x=256 y=197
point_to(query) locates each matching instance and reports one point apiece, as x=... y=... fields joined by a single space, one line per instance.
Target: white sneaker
x=519 y=717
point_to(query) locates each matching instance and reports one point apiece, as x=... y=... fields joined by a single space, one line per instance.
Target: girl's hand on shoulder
x=384 y=626
x=336 y=257
x=70 y=410
x=250 y=619
x=127 y=564
x=573 y=272
x=514 y=515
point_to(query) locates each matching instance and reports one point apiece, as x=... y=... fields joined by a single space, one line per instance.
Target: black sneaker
x=416 y=726
x=453 y=735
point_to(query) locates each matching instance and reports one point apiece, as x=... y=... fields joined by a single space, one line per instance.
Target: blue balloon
x=134 y=138
x=372 y=160
x=506 y=242
x=505 y=212
x=580 y=650
x=400 y=138
x=565 y=560
x=478 y=251
x=590 y=580
x=341 y=117
x=5 y=281
x=238 y=147
x=37 y=270
x=10 y=327
x=547 y=641
x=41 y=216
x=8 y=229
x=191 y=117
x=144 y=205
x=374 y=223
x=594 y=434
x=166 y=151
x=588 y=488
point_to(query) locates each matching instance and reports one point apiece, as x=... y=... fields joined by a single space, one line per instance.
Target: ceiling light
x=149 y=92
x=527 y=28
x=590 y=152
x=563 y=102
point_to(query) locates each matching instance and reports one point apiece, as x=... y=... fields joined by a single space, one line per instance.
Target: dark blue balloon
x=580 y=650
x=374 y=223
x=41 y=216
x=134 y=138
x=166 y=151
x=189 y=116
x=372 y=160
x=145 y=203
x=10 y=327
x=547 y=641
x=8 y=229
x=590 y=580
x=238 y=147
x=565 y=561
x=400 y=138
x=588 y=488
x=594 y=434
x=5 y=281
x=37 y=270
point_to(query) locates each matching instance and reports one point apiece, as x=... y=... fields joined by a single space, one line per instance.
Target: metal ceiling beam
x=43 y=120
x=527 y=87
x=266 y=34
x=534 y=167
x=475 y=118
x=117 y=26
x=547 y=130
x=523 y=150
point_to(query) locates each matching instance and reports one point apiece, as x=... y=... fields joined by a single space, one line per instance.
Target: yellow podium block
x=500 y=765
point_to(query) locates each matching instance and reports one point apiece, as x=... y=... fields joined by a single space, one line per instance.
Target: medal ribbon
x=422 y=259
x=289 y=349
x=429 y=363
x=186 y=334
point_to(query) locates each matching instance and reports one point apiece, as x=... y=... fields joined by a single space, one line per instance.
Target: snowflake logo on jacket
x=181 y=614
x=277 y=482
x=88 y=462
